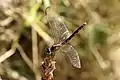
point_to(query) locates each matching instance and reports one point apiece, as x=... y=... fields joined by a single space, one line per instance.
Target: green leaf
x=98 y=34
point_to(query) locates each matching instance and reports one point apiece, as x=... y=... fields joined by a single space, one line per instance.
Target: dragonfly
x=61 y=36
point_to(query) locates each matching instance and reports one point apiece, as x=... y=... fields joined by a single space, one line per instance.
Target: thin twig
x=43 y=34
x=6 y=21
x=8 y=53
x=35 y=54
x=99 y=58
x=34 y=48
x=25 y=58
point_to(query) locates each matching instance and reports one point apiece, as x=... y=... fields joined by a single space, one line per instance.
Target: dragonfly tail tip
x=84 y=23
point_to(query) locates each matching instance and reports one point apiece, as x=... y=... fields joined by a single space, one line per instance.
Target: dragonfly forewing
x=58 y=29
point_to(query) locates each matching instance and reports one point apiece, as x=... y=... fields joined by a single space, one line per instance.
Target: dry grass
x=24 y=35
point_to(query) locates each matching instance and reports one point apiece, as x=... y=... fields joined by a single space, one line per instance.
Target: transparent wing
x=72 y=54
x=59 y=32
x=58 y=29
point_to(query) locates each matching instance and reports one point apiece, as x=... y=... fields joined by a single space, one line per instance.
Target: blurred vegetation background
x=24 y=36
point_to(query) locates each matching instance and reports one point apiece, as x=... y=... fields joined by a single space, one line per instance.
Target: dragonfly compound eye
x=48 y=51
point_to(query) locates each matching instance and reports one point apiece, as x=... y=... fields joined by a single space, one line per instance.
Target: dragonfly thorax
x=49 y=51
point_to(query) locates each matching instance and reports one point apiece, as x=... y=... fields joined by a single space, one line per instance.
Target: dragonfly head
x=48 y=52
